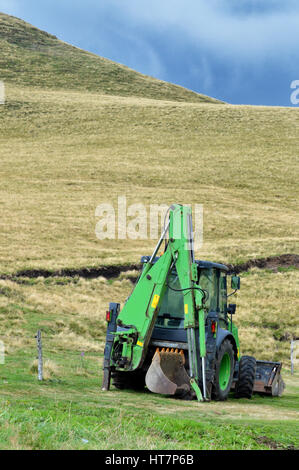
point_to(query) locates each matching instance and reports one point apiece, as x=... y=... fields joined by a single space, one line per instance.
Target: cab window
x=209 y=281
x=171 y=314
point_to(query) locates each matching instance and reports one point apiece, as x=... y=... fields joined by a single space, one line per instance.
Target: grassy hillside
x=65 y=152
x=33 y=57
x=77 y=131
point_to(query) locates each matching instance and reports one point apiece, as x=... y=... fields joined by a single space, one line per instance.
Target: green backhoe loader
x=175 y=334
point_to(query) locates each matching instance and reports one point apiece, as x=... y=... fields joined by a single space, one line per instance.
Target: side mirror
x=231 y=309
x=235 y=282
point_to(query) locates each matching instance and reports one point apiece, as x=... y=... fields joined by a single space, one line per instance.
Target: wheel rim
x=224 y=371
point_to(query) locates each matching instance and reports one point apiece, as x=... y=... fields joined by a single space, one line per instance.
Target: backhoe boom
x=138 y=316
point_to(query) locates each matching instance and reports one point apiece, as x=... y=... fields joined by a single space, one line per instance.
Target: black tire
x=245 y=383
x=223 y=381
x=128 y=380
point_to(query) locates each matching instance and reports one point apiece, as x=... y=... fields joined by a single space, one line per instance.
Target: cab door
x=222 y=300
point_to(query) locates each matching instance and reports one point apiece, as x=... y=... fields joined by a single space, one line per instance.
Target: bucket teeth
x=171 y=351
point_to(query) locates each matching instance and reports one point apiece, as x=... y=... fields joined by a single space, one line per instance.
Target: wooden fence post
x=39 y=354
x=293 y=354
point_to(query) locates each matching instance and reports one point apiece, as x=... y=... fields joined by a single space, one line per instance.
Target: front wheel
x=246 y=377
x=224 y=370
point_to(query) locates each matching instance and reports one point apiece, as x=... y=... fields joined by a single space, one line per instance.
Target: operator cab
x=170 y=320
x=212 y=279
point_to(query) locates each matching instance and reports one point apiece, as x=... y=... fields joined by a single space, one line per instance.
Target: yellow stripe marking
x=155 y=301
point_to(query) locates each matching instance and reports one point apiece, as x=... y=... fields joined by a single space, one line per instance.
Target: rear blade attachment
x=167 y=374
x=268 y=379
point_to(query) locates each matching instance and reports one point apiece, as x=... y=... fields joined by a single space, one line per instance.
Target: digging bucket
x=167 y=374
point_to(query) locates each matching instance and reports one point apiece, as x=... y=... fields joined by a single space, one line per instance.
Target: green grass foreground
x=71 y=412
x=68 y=410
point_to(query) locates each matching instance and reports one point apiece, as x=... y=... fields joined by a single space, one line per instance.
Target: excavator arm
x=136 y=320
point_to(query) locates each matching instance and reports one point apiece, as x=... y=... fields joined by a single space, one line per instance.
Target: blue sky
x=240 y=51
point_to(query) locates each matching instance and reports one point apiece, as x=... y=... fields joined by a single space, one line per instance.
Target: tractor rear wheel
x=224 y=369
x=128 y=380
x=245 y=383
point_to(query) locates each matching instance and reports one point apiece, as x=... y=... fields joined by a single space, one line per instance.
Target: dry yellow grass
x=71 y=313
x=267 y=315
x=64 y=152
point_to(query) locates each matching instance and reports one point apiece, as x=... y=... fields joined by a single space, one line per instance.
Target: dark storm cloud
x=238 y=51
